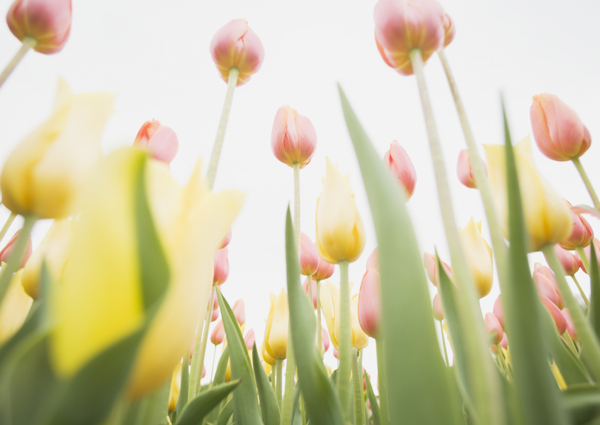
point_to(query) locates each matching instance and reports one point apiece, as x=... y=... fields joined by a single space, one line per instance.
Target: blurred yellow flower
x=45 y=172
x=340 y=230
x=175 y=388
x=547 y=215
x=14 y=308
x=276 y=331
x=479 y=257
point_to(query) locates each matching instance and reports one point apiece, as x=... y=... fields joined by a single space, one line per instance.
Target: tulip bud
x=546 y=289
x=558 y=130
x=504 y=343
x=449 y=28
x=539 y=268
x=404 y=25
x=159 y=140
x=401 y=167
x=570 y=262
x=559 y=320
x=588 y=253
x=582 y=232
x=236 y=46
x=47 y=22
x=570 y=326
x=226 y=240
x=218 y=334
x=497 y=310
x=239 y=311
x=309 y=256
x=336 y=353
x=431 y=268
x=175 y=388
x=249 y=339
x=340 y=230
x=438 y=313
x=293 y=137
x=369 y=303
x=10 y=246
x=276 y=331
x=314 y=291
x=465 y=171
x=493 y=327
x=221 y=267
x=324 y=271
x=215 y=315
x=479 y=257
x=325 y=339
x=373 y=260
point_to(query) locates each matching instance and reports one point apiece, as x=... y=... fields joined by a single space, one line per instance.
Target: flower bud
x=236 y=46
x=239 y=311
x=221 y=266
x=263 y=349
x=546 y=289
x=504 y=342
x=582 y=232
x=249 y=339
x=215 y=314
x=175 y=388
x=340 y=230
x=293 y=137
x=309 y=256
x=558 y=130
x=10 y=246
x=465 y=171
x=431 y=268
x=588 y=253
x=325 y=339
x=493 y=327
x=497 y=310
x=324 y=271
x=218 y=334
x=570 y=326
x=226 y=240
x=449 y=28
x=276 y=331
x=373 y=260
x=369 y=303
x=403 y=25
x=314 y=291
x=559 y=320
x=570 y=262
x=401 y=167
x=539 y=268
x=438 y=313
x=359 y=338
x=159 y=140
x=47 y=22
x=479 y=257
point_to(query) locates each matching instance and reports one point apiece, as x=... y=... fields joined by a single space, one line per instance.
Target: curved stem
x=359 y=417
x=319 y=328
x=200 y=351
x=583 y=257
x=28 y=43
x=16 y=258
x=297 y=205
x=279 y=381
x=287 y=412
x=585 y=299
x=444 y=344
x=344 y=342
x=9 y=221
x=382 y=378
x=587 y=182
x=212 y=369
x=218 y=146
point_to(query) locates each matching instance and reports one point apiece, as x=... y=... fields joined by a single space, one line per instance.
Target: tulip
x=221 y=264
x=314 y=291
x=401 y=167
x=14 y=308
x=539 y=268
x=557 y=129
x=493 y=327
x=6 y=252
x=215 y=315
x=239 y=311
x=404 y=25
x=159 y=140
x=431 y=268
x=504 y=343
x=449 y=28
x=497 y=310
x=479 y=257
x=340 y=230
x=330 y=303
x=570 y=262
x=336 y=353
x=47 y=22
x=359 y=337
x=175 y=388
x=559 y=319
x=547 y=217
x=373 y=260
x=369 y=303
x=325 y=339
x=324 y=271
x=267 y=367
x=249 y=339
x=438 y=313
x=225 y=240
x=45 y=173
x=588 y=252
x=236 y=46
x=309 y=256
x=101 y=298
x=581 y=235
x=276 y=331
x=266 y=357
x=218 y=334
x=546 y=289
x=54 y=250
x=465 y=171
x=293 y=137
x=570 y=326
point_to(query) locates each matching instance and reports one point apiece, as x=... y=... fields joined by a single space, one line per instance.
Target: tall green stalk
x=319 y=328
x=200 y=351
x=344 y=342
x=382 y=379
x=16 y=258
x=279 y=382
x=587 y=182
x=359 y=411
x=9 y=221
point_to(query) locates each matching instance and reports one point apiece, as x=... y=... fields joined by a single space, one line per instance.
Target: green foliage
x=268 y=401
x=198 y=408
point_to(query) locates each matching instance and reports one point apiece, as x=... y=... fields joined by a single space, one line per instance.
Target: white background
x=154 y=54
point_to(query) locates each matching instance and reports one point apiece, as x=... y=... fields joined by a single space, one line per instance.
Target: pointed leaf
x=583 y=402
x=268 y=401
x=184 y=386
x=226 y=413
x=594 y=313
x=373 y=401
x=219 y=378
x=198 y=408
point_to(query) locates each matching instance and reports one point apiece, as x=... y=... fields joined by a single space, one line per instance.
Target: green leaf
x=373 y=400
x=535 y=385
x=295 y=403
x=198 y=408
x=226 y=413
x=245 y=402
x=419 y=389
x=583 y=402
x=594 y=314
x=268 y=402
x=219 y=378
x=321 y=399
x=184 y=386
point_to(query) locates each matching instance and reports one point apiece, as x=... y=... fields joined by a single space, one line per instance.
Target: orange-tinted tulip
x=159 y=140
x=464 y=171
x=249 y=339
x=570 y=262
x=369 y=303
x=582 y=233
x=546 y=289
x=559 y=319
x=449 y=28
x=221 y=266
x=239 y=311
x=314 y=291
x=431 y=269
x=218 y=334
x=401 y=167
x=309 y=256
x=293 y=137
x=10 y=246
x=324 y=271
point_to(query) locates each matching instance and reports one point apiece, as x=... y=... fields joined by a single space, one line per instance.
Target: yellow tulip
x=340 y=230
x=276 y=331
x=175 y=388
x=99 y=300
x=479 y=257
x=267 y=367
x=547 y=215
x=45 y=172
x=14 y=308
x=54 y=249
x=359 y=338
x=330 y=304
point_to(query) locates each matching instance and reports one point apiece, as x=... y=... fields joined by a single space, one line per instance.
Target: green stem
x=28 y=43
x=486 y=388
x=590 y=347
x=273 y=378
x=279 y=381
x=500 y=358
x=587 y=182
x=297 y=205
x=569 y=341
x=382 y=378
x=287 y=412
x=344 y=342
x=444 y=344
x=218 y=146
x=212 y=369
x=302 y=409
x=9 y=221
x=585 y=299
x=584 y=258
x=199 y=351
x=16 y=258
x=319 y=328
x=359 y=418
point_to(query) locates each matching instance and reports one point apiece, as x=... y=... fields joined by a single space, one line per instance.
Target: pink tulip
x=498 y=311
x=570 y=262
x=218 y=334
x=465 y=171
x=325 y=339
x=546 y=289
x=493 y=327
x=570 y=325
x=588 y=253
x=48 y=22
x=373 y=260
x=236 y=46
x=221 y=266
x=546 y=271
x=215 y=314
x=159 y=140
x=309 y=256
x=239 y=311
x=558 y=130
x=226 y=240
x=249 y=339
x=401 y=167
x=449 y=28
x=431 y=269
x=336 y=353
x=403 y=25
x=557 y=316
x=10 y=246
x=438 y=313
x=369 y=303
x=203 y=371
x=293 y=137
x=314 y=291
x=503 y=343
x=324 y=271
x=582 y=233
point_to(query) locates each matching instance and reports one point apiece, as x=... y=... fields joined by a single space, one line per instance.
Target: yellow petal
x=14 y=308
x=359 y=338
x=175 y=387
x=268 y=357
x=327 y=308
x=479 y=257
x=277 y=341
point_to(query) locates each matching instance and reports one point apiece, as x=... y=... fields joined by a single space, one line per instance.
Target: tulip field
x=107 y=319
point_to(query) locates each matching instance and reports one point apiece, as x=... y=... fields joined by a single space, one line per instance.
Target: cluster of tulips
x=107 y=320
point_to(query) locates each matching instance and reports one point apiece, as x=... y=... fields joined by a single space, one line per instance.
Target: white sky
x=154 y=54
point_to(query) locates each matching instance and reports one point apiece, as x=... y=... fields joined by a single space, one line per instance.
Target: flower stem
x=359 y=418
x=587 y=182
x=9 y=221
x=319 y=329
x=444 y=344
x=382 y=377
x=569 y=341
x=589 y=342
x=218 y=146
x=28 y=43
x=585 y=299
x=287 y=412
x=16 y=258
x=344 y=342
x=212 y=369
x=279 y=381
x=200 y=351
x=297 y=205
x=583 y=257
